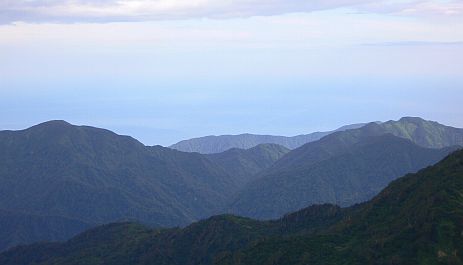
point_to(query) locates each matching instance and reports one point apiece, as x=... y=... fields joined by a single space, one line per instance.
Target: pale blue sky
x=165 y=70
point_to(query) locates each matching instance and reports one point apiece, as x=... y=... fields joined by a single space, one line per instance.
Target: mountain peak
x=52 y=124
x=412 y=119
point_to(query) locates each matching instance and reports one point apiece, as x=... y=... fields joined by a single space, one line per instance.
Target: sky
x=166 y=70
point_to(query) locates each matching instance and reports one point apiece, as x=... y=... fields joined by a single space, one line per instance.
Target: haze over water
x=163 y=71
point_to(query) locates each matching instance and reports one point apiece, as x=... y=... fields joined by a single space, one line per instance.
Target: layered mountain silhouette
x=343 y=168
x=425 y=133
x=415 y=220
x=57 y=179
x=217 y=144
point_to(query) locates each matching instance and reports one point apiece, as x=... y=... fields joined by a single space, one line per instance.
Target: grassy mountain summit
x=415 y=220
x=425 y=133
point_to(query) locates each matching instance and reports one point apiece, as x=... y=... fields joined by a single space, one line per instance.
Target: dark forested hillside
x=59 y=179
x=20 y=228
x=415 y=220
x=93 y=176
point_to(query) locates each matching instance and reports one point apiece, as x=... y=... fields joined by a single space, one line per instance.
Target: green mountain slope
x=95 y=176
x=71 y=177
x=417 y=219
x=343 y=168
x=218 y=144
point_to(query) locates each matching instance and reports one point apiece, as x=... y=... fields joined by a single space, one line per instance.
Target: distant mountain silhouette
x=415 y=220
x=57 y=179
x=218 y=144
x=422 y=132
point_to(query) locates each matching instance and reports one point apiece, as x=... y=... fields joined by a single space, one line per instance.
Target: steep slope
x=415 y=220
x=243 y=164
x=95 y=176
x=218 y=144
x=343 y=168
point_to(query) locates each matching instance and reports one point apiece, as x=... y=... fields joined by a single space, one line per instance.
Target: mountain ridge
x=94 y=176
x=217 y=144
x=343 y=168
x=59 y=174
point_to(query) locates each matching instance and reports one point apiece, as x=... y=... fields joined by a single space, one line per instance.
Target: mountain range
x=422 y=132
x=415 y=220
x=57 y=179
x=217 y=144
x=343 y=168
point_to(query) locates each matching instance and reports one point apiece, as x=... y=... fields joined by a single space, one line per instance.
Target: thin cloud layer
x=417 y=7
x=140 y=10
x=143 y=10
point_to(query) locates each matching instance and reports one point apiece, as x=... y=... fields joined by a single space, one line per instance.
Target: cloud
x=435 y=8
x=142 y=10
x=416 y=43
x=416 y=7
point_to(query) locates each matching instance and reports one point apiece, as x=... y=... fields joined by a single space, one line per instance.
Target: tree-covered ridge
x=57 y=179
x=344 y=168
x=417 y=219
